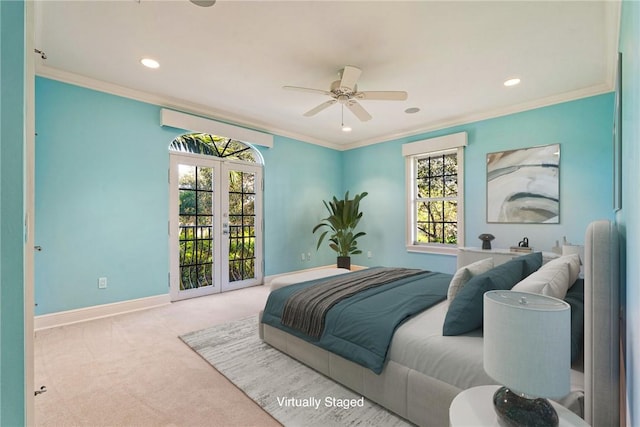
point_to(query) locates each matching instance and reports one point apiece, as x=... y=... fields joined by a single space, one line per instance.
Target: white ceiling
x=231 y=60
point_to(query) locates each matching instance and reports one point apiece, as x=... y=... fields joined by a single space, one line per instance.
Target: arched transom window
x=217 y=146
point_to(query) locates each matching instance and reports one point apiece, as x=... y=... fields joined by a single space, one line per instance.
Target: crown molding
x=197 y=109
x=471 y=118
x=172 y=103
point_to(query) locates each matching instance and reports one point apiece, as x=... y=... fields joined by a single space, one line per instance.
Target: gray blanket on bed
x=360 y=327
x=306 y=309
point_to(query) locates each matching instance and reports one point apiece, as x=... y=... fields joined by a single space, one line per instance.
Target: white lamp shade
x=527 y=343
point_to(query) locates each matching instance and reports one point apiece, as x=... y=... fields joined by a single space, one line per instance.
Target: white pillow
x=551 y=279
x=573 y=261
x=464 y=274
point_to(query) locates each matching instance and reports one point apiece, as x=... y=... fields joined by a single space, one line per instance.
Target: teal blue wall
x=380 y=171
x=629 y=216
x=102 y=198
x=298 y=176
x=12 y=140
x=93 y=149
x=583 y=128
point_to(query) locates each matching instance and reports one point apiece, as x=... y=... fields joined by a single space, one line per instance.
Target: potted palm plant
x=344 y=216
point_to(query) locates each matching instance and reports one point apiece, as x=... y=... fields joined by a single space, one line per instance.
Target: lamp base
x=517 y=411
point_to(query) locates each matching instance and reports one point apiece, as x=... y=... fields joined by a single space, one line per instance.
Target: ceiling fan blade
x=382 y=95
x=350 y=76
x=319 y=108
x=358 y=110
x=307 y=89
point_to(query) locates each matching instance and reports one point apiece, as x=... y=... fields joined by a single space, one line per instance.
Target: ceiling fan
x=345 y=92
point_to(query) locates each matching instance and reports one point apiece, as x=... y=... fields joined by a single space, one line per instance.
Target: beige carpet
x=293 y=393
x=133 y=370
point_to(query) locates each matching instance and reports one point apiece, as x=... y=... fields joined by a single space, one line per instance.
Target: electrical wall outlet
x=308 y=256
x=102 y=283
x=369 y=254
x=302 y=256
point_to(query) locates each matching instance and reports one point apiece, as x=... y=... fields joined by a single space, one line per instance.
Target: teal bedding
x=360 y=328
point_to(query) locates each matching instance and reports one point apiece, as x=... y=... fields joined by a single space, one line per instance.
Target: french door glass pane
x=241 y=225
x=196 y=226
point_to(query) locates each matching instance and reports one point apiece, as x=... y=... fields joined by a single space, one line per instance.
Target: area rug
x=291 y=392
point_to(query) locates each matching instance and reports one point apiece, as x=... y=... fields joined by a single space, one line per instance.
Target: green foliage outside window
x=437 y=199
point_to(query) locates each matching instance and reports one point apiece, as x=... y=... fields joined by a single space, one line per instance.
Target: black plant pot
x=344 y=262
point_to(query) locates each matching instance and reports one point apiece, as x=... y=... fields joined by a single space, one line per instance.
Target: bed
x=424 y=370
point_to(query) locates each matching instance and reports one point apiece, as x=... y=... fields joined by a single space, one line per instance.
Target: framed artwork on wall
x=523 y=185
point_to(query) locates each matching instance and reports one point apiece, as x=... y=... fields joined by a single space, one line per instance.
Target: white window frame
x=421 y=149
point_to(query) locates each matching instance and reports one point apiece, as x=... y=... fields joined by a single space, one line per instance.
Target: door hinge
x=169 y=279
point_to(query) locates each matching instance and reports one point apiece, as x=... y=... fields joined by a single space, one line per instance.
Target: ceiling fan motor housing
x=345 y=92
x=339 y=91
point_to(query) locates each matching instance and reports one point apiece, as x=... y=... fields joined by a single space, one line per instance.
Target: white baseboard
x=69 y=317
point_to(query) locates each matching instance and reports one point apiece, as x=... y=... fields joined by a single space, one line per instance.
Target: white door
x=215 y=227
x=241 y=225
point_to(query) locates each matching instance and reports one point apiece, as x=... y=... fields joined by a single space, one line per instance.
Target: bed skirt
x=410 y=394
x=419 y=398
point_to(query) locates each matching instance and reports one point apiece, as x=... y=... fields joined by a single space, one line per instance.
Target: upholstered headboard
x=602 y=325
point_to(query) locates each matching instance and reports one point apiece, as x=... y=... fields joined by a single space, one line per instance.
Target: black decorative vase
x=344 y=262
x=517 y=411
x=486 y=240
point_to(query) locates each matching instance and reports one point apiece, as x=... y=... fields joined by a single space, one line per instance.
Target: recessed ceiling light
x=412 y=110
x=149 y=63
x=512 y=82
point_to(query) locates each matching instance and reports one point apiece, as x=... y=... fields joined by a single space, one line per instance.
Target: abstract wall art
x=523 y=185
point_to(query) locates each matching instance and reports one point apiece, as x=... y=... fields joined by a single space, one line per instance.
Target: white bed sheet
x=419 y=344
x=290 y=279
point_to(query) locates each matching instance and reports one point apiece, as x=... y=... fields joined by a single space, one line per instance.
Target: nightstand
x=474 y=408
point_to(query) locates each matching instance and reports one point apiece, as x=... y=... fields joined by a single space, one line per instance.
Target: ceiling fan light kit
x=345 y=92
x=342 y=125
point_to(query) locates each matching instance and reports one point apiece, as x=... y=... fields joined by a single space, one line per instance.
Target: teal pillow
x=466 y=310
x=575 y=298
x=532 y=262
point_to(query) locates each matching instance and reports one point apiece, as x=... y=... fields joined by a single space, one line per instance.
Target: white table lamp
x=527 y=349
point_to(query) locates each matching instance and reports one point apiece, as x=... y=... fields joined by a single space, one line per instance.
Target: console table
x=467 y=255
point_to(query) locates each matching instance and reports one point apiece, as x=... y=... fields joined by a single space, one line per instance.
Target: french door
x=215 y=226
